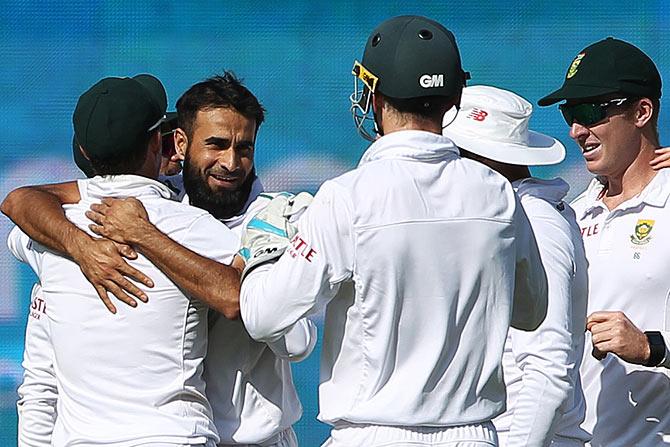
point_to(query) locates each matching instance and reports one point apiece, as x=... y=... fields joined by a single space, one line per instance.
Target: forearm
x=213 y=283
x=537 y=408
x=545 y=359
x=48 y=226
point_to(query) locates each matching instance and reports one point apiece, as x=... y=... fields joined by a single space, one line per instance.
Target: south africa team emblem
x=573 y=67
x=642 y=230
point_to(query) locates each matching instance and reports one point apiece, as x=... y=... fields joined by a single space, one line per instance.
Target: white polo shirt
x=249 y=383
x=628 y=254
x=134 y=377
x=38 y=393
x=541 y=368
x=414 y=256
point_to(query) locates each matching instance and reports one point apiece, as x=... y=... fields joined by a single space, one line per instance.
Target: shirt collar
x=553 y=191
x=256 y=190
x=654 y=194
x=410 y=145
x=124 y=186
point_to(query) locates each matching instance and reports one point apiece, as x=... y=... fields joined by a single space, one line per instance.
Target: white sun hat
x=493 y=123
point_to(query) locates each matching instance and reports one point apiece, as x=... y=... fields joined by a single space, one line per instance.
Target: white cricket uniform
x=628 y=256
x=134 y=378
x=414 y=254
x=249 y=383
x=541 y=368
x=38 y=393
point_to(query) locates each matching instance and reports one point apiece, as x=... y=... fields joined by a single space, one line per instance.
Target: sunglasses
x=587 y=113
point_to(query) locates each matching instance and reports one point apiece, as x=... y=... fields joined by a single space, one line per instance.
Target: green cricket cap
x=116 y=115
x=414 y=56
x=605 y=67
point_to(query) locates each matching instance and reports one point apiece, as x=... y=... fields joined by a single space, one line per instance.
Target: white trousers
x=361 y=435
x=285 y=438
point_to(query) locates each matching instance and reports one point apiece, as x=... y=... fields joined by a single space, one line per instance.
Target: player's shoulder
x=180 y=220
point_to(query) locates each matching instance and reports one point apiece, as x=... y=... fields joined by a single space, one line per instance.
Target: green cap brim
x=575 y=92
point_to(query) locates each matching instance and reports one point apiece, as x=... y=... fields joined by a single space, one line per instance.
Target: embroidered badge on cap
x=575 y=64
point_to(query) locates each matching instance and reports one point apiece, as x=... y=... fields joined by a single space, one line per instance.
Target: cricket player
x=38 y=392
x=249 y=384
x=611 y=92
x=133 y=377
x=545 y=403
x=416 y=256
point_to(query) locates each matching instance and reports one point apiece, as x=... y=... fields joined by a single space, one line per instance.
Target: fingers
x=238 y=263
x=132 y=272
x=602 y=336
x=126 y=251
x=600 y=316
x=599 y=328
x=662 y=159
x=100 y=207
x=120 y=294
x=603 y=316
x=97 y=229
x=102 y=293
x=107 y=201
x=94 y=215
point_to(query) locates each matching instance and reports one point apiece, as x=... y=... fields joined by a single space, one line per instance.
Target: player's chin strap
x=448 y=119
x=269 y=233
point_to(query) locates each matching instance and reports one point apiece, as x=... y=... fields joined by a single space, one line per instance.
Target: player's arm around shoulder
x=319 y=257
x=49 y=226
x=200 y=262
x=101 y=261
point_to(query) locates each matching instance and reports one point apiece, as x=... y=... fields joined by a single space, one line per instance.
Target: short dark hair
x=220 y=91
x=124 y=163
x=429 y=107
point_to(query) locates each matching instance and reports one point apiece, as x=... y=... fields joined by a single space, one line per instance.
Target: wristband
x=656 y=348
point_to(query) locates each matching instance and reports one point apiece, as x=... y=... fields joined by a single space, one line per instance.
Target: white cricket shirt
x=134 y=377
x=628 y=254
x=541 y=368
x=414 y=256
x=38 y=393
x=249 y=383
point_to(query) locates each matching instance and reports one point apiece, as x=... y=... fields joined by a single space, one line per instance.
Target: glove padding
x=269 y=233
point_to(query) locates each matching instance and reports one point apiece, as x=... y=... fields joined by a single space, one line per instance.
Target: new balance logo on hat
x=428 y=81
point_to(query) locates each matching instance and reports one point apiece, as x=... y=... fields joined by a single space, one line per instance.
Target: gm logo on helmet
x=428 y=81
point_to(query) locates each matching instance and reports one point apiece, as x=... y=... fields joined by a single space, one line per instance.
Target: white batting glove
x=269 y=232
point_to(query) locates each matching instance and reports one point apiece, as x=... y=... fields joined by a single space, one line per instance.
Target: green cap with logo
x=414 y=57
x=607 y=67
x=116 y=115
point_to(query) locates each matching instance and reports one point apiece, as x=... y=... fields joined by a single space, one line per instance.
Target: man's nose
x=229 y=160
x=578 y=131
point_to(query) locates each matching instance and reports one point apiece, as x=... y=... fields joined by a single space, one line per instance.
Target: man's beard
x=221 y=204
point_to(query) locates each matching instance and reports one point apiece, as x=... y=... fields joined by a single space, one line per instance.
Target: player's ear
x=83 y=152
x=155 y=142
x=642 y=112
x=180 y=142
